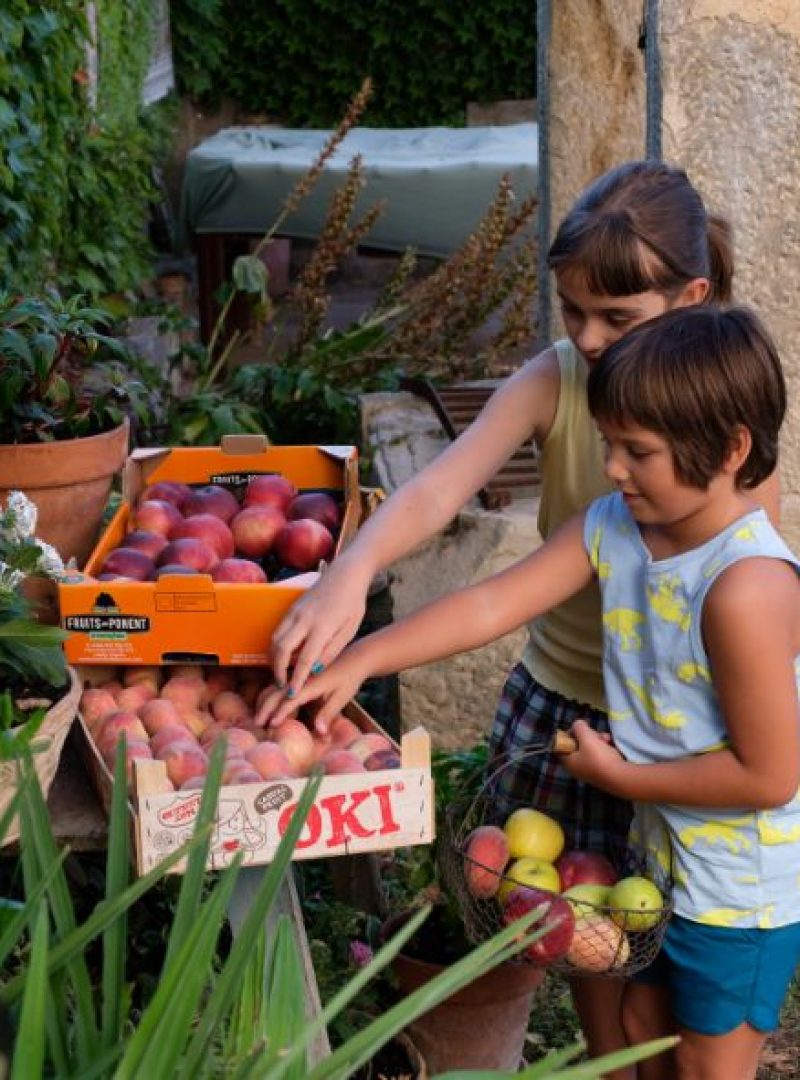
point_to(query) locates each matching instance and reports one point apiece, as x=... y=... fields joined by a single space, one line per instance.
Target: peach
x=133 y=698
x=270 y=490
x=208 y=528
x=295 y=740
x=107 y=743
x=159 y=714
x=382 y=759
x=598 y=944
x=167 y=735
x=485 y=858
x=241 y=773
x=184 y=691
x=303 y=544
x=249 y=687
x=183 y=761
x=133 y=751
x=229 y=707
x=340 y=761
x=241 y=571
x=255 y=530
x=171 y=491
x=113 y=686
x=322 y=744
x=120 y=720
x=151 y=676
x=368 y=743
x=270 y=762
x=316 y=505
x=128 y=563
x=210 y=734
x=243 y=741
x=196 y=720
x=211 y=499
x=190 y=552
x=95 y=704
x=219 y=679
x=344 y=731
x=95 y=676
x=151 y=543
x=194 y=783
x=156 y=515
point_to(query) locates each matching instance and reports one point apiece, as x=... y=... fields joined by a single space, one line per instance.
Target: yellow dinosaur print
x=690 y=672
x=723 y=832
x=747 y=879
x=713 y=568
x=765 y=918
x=622 y=623
x=725 y=916
x=768 y=833
x=746 y=532
x=667 y=605
x=615 y=715
x=674 y=719
x=601 y=568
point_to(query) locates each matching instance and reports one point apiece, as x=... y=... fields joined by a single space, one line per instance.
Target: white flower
x=10 y=579
x=50 y=562
x=19 y=520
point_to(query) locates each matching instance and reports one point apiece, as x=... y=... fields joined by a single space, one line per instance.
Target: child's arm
x=751 y=629
x=456 y=623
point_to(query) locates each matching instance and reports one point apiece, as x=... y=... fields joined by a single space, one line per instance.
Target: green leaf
x=29 y=1047
x=250 y=274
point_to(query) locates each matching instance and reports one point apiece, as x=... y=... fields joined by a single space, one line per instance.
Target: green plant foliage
x=303 y=59
x=75 y=178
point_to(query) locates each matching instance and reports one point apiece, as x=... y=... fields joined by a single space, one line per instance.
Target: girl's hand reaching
x=596 y=761
x=332 y=688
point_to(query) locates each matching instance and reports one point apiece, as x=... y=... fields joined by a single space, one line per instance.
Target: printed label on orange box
x=351 y=814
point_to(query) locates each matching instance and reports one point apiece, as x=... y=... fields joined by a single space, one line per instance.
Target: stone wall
x=455 y=699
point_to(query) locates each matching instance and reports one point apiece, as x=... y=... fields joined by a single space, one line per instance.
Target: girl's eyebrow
x=610 y=310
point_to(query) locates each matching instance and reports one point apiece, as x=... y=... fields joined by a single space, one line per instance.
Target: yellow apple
x=535 y=873
x=635 y=904
x=587 y=897
x=533 y=835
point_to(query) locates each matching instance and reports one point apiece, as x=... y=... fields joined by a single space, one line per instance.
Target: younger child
x=701 y=618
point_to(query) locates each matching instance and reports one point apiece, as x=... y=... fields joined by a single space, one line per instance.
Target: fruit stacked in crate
x=601 y=917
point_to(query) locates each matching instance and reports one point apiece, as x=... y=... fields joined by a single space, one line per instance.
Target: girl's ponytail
x=720 y=259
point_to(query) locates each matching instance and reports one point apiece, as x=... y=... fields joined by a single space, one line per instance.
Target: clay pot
x=69 y=480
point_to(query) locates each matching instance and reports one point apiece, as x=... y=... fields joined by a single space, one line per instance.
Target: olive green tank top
x=564 y=650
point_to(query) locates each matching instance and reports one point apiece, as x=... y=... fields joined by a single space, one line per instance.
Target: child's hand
x=333 y=688
x=596 y=761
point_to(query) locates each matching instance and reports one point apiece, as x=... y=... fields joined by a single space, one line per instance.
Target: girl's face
x=593 y=322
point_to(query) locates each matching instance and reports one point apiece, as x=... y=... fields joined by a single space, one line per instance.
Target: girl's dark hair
x=643 y=226
x=695 y=376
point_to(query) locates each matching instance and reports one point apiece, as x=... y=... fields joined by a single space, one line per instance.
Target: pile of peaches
x=273 y=531
x=176 y=714
x=590 y=912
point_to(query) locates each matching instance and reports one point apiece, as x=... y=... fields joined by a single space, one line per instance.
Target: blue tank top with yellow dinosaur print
x=738 y=868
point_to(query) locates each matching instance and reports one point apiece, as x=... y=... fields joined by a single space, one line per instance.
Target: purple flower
x=360 y=953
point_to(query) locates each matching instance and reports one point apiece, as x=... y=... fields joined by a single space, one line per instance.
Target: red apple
x=255 y=529
x=558 y=922
x=128 y=563
x=211 y=499
x=302 y=544
x=189 y=552
x=315 y=505
x=271 y=490
x=171 y=491
x=584 y=868
x=239 y=570
x=208 y=528
x=156 y=515
x=150 y=543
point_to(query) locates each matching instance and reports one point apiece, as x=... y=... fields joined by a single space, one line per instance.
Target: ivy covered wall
x=302 y=60
x=75 y=174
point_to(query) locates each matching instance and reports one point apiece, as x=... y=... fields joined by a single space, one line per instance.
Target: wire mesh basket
x=584 y=934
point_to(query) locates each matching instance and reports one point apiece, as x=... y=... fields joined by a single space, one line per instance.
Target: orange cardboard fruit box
x=193 y=618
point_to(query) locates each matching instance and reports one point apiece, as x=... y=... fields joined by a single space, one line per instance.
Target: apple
x=156 y=515
x=315 y=505
x=537 y=873
x=211 y=499
x=532 y=834
x=485 y=858
x=635 y=903
x=585 y=868
x=174 y=568
x=129 y=563
x=558 y=923
x=170 y=491
x=208 y=528
x=255 y=529
x=303 y=544
x=271 y=490
x=598 y=945
x=587 y=897
x=151 y=543
x=239 y=570
x=189 y=552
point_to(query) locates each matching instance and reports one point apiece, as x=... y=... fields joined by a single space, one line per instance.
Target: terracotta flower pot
x=69 y=480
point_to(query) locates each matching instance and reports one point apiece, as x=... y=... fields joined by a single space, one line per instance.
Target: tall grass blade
x=285 y=998
x=15 y=925
x=29 y=1048
x=115 y=935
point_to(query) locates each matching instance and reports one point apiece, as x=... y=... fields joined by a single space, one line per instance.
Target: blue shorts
x=719 y=977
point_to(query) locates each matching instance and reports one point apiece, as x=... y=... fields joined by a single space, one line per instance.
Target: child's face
x=640 y=464
x=593 y=322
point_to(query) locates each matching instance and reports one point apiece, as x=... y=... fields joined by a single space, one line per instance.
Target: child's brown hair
x=695 y=376
x=643 y=226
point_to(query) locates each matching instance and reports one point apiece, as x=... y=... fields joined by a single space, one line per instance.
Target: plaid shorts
x=529 y=715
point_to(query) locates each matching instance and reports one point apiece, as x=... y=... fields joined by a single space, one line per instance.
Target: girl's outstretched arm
x=751 y=630
x=455 y=623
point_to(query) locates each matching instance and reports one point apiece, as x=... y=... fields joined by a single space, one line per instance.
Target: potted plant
x=64 y=422
x=40 y=693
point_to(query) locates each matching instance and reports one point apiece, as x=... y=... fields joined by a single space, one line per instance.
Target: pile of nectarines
x=588 y=910
x=175 y=714
x=272 y=530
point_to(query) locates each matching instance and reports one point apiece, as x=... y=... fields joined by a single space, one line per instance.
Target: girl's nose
x=615 y=467
x=591 y=339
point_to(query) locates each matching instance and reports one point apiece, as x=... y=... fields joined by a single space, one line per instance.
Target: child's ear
x=693 y=293
x=739 y=450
